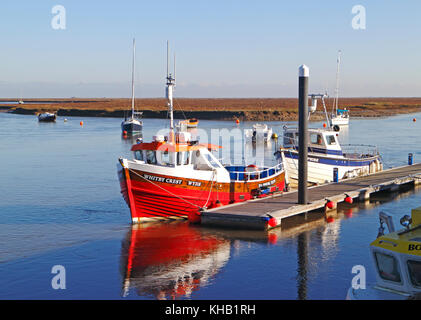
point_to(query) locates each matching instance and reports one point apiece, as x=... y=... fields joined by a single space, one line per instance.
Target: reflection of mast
x=302 y=258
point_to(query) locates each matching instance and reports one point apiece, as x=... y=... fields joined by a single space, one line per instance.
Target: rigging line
x=181 y=109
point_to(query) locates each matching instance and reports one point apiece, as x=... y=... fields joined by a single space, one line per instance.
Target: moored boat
x=338 y=117
x=190 y=123
x=259 y=133
x=175 y=176
x=397 y=261
x=133 y=124
x=47 y=117
x=327 y=159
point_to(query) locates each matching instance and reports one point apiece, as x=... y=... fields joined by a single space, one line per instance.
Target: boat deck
x=254 y=214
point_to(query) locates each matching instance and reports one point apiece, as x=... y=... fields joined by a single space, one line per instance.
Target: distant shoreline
x=253 y=109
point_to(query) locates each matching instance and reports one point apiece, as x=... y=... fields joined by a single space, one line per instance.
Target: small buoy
x=274 y=136
x=237 y=121
x=324 y=125
x=65 y=120
x=124 y=132
x=272 y=222
x=81 y=123
x=330 y=204
x=415 y=120
x=348 y=199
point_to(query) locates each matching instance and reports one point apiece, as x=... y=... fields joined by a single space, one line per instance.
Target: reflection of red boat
x=170 y=260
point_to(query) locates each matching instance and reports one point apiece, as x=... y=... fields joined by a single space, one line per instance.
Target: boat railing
x=359 y=150
x=254 y=175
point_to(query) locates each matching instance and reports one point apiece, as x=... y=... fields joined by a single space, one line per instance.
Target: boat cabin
x=179 y=154
x=320 y=141
x=397 y=257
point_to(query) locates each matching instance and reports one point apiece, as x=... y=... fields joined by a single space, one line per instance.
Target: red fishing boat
x=175 y=177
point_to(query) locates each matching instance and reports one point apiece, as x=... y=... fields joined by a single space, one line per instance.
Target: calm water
x=60 y=204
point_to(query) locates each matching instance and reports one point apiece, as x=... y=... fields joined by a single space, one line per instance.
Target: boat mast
x=335 y=102
x=169 y=94
x=134 y=53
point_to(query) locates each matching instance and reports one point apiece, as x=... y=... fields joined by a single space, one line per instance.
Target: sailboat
x=175 y=177
x=132 y=124
x=339 y=117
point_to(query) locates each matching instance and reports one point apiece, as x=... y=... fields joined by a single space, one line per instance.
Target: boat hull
x=339 y=121
x=156 y=197
x=320 y=168
x=47 y=118
x=131 y=127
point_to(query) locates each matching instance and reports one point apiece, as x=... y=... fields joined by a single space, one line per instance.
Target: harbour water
x=60 y=204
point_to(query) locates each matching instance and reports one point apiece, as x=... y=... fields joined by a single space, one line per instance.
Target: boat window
x=331 y=140
x=212 y=160
x=315 y=138
x=183 y=158
x=414 y=268
x=151 y=157
x=288 y=138
x=388 y=267
x=138 y=155
x=167 y=158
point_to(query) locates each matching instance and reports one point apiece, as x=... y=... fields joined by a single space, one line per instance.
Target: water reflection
x=170 y=260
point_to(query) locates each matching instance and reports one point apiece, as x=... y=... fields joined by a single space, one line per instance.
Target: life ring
x=336 y=128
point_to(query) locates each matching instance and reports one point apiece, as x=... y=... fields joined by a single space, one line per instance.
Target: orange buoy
x=330 y=204
x=414 y=120
x=272 y=222
x=81 y=123
x=348 y=199
x=124 y=132
x=237 y=121
x=324 y=125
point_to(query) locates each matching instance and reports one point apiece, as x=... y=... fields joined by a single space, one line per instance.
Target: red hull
x=150 y=201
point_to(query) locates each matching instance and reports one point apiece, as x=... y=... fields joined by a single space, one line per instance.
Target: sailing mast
x=133 y=66
x=335 y=102
x=169 y=94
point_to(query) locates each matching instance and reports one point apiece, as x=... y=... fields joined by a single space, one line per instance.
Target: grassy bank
x=254 y=109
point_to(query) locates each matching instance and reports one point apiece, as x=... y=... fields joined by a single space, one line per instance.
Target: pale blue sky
x=223 y=48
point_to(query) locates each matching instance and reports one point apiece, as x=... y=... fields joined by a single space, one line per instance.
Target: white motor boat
x=259 y=133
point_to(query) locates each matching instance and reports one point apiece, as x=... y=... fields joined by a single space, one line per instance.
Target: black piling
x=303 y=75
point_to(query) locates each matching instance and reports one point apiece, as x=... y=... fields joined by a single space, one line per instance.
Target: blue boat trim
x=331 y=161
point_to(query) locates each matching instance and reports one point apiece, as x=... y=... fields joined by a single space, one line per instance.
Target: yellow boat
x=397 y=261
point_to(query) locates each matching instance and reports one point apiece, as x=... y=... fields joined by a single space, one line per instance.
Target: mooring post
x=303 y=74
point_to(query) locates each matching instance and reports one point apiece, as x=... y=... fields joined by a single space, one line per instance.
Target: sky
x=223 y=49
